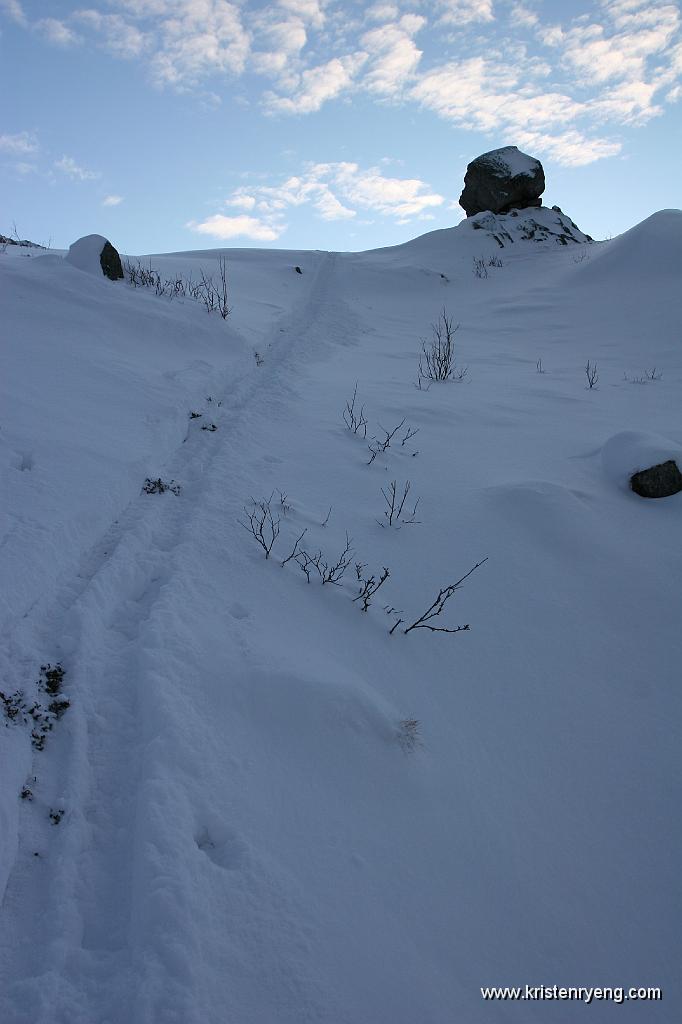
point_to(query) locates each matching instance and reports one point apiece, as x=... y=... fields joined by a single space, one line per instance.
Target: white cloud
x=329 y=207
x=57 y=32
x=598 y=55
x=486 y=94
x=630 y=53
x=224 y=228
x=628 y=102
x=112 y=200
x=393 y=54
x=186 y=40
x=20 y=144
x=284 y=41
x=334 y=190
x=371 y=190
x=119 y=37
x=203 y=37
x=243 y=202
x=382 y=12
x=317 y=85
x=496 y=97
x=464 y=12
x=522 y=16
x=570 y=148
x=616 y=65
x=67 y=165
x=307 y=10
x=14 y=11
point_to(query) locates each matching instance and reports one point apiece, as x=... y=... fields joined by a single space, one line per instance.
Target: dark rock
x=502 y=180
x=658 y=481
x=111 y=262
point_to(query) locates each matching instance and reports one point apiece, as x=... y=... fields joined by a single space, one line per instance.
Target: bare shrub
x=261 y=524
x=409 y=736
x=437 y=359
x=160 y=486
x=355 y=420
x=591 y=374
x=380 y=445
x=395 y=512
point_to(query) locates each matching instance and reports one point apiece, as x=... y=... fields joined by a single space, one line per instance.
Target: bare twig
x=436 y=608
x=591 y=374
x=370 y=587
x=283 y=503
x=294 y=551
x=221 y=290
x=379 y=446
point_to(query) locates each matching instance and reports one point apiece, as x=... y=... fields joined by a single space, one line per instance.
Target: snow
x=512 y=161
x=630 y=451
x=85 y=254
x=244 y=835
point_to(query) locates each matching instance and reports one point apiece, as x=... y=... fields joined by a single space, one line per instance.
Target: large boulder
x=502 y=180
x=96 y=255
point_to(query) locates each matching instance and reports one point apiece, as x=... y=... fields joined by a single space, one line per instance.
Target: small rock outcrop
x=95 y=255
x=658 y=481
x=502 y=180
x=110 y=261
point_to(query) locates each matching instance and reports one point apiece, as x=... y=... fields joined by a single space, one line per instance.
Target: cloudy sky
x=328 y=124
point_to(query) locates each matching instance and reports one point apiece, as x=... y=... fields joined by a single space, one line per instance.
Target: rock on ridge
x=502 y=180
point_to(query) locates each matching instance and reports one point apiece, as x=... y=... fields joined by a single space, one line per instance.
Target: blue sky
x=184 y=124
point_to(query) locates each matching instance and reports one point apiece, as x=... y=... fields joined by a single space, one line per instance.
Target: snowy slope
x=244 y=836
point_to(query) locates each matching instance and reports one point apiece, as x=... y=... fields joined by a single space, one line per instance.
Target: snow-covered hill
x=262 y=806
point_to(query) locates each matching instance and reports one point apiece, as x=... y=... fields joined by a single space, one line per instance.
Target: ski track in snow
x=243 y=840
x=109 y=624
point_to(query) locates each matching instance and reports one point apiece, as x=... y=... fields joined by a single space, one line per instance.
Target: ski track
x=105 y=626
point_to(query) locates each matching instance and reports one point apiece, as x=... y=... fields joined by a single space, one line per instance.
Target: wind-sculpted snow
x=262 y=806
x=630 y=451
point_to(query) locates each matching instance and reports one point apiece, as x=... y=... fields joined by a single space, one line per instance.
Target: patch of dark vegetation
x=160 y=486
x=40 y=717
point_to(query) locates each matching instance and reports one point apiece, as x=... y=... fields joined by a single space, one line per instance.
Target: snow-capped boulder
x=95 y=255
x=502 y=180
x=647 y=464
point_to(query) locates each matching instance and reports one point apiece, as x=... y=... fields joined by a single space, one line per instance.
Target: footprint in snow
x=223 y=846
x=238 y=611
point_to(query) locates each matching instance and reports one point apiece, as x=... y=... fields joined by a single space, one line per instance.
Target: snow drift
x=262 y=805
